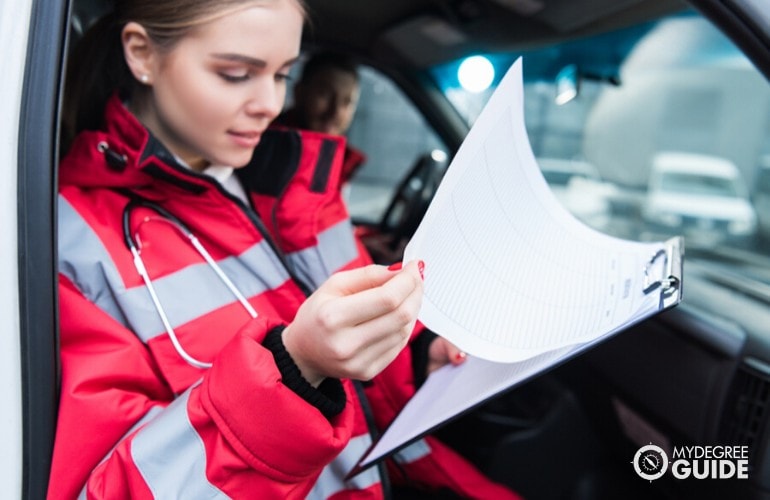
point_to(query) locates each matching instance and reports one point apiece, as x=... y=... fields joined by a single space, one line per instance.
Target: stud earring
x=144 y=78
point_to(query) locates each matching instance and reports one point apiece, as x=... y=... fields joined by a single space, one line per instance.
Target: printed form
x=511 y=277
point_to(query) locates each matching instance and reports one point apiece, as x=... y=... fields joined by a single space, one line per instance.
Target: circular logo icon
x=650 y=462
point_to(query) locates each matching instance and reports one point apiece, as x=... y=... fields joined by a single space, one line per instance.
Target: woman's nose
x=266 y=99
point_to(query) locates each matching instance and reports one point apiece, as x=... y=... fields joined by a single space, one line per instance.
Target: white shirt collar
x=220 y=172
x=224 y=175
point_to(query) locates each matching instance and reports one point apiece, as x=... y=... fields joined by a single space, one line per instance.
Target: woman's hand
x=442 y=352
x=356 y=323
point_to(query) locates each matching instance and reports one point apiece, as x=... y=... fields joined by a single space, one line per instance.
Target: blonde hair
x=166 y=22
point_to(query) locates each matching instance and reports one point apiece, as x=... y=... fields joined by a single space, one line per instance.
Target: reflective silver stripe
x=84 y=260
x=414 y=451
x=180 y=292
x=155 y=410
x=331 y=479
x=171 y=457
x=336 y=247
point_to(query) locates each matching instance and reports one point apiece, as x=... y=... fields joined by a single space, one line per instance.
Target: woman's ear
x=139 y=52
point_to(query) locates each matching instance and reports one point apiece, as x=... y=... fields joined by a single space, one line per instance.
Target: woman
x=212 y=317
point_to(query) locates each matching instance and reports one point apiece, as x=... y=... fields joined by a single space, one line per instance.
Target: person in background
x=325 y=100
x=216 y=315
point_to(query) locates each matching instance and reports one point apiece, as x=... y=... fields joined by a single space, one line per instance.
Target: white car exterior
x=701 y=197
x=14 y=27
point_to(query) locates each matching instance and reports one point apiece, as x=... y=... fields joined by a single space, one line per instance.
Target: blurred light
x=476 y=74
x=438 y=155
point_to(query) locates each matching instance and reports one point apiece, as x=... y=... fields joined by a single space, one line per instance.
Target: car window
x=673 y=87
x=393 y=135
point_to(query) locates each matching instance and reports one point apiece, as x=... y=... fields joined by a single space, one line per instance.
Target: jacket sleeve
x=122 y=433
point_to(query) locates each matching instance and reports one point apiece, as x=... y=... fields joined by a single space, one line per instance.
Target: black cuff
x=329 y=397
x=419 y=347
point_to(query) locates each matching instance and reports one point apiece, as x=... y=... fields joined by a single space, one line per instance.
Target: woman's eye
x=234 y=77
x=282 y=77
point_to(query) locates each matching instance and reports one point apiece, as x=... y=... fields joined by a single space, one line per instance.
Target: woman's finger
x=375 y=357
x=370 y=346
x=372 y=303
x=399 y=321
x=353 y=281
x=442 y=352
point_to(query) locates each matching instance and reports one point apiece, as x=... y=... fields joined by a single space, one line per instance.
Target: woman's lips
x=246 y=139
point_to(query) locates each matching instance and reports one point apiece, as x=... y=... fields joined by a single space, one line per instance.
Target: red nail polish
x=460 y=356
x=421 y=268
x=394 y=267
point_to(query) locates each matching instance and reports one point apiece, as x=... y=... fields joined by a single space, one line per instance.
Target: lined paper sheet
x=509 y=273
x=511 y=277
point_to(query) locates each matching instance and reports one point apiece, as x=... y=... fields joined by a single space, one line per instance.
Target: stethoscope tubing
x=136 y=252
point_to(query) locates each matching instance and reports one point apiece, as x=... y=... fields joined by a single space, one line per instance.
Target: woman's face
x=218 y=89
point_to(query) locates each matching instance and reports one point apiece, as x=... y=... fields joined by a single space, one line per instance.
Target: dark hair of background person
x=320 y=61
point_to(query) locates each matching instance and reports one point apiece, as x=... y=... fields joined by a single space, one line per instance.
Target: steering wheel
x=412 y=197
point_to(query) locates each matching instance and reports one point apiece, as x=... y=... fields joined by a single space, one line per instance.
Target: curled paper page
x=509 y=273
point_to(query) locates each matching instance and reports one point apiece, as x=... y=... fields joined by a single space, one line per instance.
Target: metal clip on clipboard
x=670 y=280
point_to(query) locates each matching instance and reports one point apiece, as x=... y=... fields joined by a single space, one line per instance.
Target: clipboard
x=670 y=281
x=662 y=273
x=579 y=287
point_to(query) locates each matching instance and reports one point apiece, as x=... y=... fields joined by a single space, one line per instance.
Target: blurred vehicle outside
x=702 y=197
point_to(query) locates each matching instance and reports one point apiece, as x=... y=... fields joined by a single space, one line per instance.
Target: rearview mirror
x=568 y=80
x=566 y=84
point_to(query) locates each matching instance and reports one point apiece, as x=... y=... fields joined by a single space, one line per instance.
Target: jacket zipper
x=260 y=226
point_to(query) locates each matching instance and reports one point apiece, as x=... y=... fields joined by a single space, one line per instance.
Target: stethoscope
x=134 y=244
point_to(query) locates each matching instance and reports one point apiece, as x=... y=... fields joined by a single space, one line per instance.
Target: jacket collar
x=125 y=155
x=121 y=155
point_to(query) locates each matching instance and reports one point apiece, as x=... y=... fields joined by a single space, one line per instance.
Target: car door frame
x=36 y=188
x=745 y=23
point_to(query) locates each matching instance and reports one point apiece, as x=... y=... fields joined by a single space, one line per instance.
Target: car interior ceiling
x=568 y=421
x=429 y=32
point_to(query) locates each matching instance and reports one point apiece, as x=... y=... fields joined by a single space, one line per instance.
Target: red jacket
x=135 y=419
x=353 y=158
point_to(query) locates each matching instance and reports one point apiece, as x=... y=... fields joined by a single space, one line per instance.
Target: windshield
x=617 y=101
